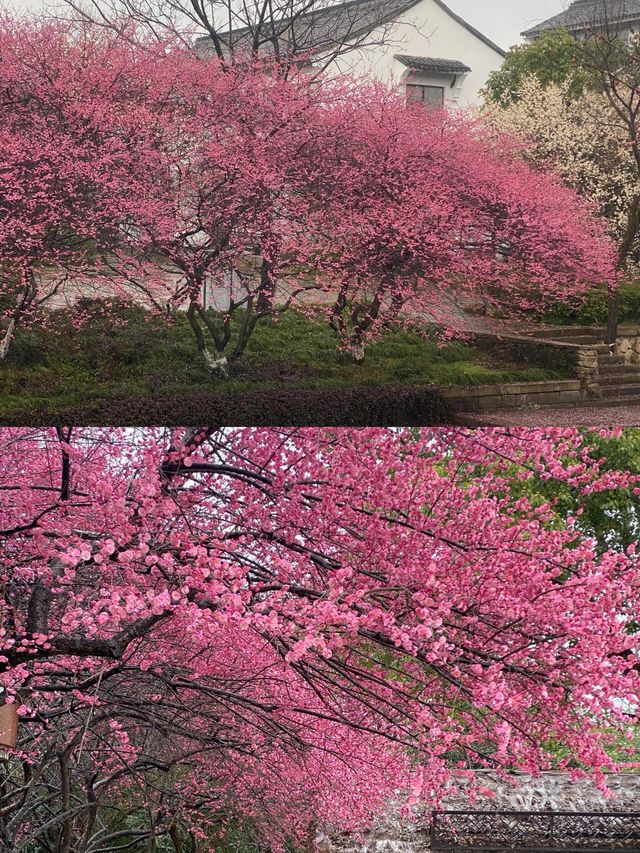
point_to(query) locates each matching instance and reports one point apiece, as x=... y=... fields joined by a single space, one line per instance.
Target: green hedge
x=363 y=406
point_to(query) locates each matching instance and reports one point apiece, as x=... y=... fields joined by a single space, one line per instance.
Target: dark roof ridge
x=573 y=18
x=403 y=6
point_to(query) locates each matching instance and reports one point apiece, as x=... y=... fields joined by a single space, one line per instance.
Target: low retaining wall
x=524 y=792
x=627 y=343
x=552 y=790
x=579 y=360
x=517 y=395
x=531 y=350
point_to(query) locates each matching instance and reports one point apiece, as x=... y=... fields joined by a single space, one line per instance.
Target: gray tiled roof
x=333 y=25
x=582 y=14
x=321 y=28
x=433 y=64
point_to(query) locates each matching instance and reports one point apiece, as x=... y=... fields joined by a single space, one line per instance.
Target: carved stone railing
x=534 y=832
x=556 y=792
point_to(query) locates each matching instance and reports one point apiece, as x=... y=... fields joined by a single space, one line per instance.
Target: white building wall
x=426 y=30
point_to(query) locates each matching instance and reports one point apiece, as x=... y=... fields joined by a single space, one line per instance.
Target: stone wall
x=578 y=360
x=553 y=790
x=515 y=395
x=556 y=355
x=550 y=791
x=628 y=344
x=588 y=373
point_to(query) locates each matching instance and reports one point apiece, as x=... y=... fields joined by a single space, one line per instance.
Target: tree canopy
x=179 y=175
x=592 y=138
x=263 y=625
x=552 y=59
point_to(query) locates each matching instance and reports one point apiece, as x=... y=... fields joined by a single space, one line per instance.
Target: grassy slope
x=145 y=357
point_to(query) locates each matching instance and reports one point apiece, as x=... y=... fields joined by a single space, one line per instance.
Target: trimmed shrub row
x=363 y=406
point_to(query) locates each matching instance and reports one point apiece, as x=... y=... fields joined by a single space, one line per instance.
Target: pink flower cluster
x=313 y=616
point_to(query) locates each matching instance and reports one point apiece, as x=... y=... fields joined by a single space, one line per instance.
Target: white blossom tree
x=587 y=141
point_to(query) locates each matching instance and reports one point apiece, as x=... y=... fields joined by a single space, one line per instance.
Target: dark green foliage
x=124 y=362
x=553 y=58
x=611 y=516
x=390 y=405
x=593 y=311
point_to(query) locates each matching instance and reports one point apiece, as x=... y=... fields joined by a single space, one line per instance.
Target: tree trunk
x=6 y=842
x=631 y=233
x=357 y=351
x=215 y=364
x=30 y=293
x=8 y=337
x=613 y=317
x=219 y=365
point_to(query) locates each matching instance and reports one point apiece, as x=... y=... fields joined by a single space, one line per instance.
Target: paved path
x=576 y=416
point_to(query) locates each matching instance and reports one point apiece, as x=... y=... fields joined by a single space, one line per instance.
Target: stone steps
x=621 y=389
x=616 y=364
x=608 y=379
x=612 y=379
x=623 y=400
x=621 y=377
x=605 y=378
x=619 y=380
x=566 y=332
x=606 y=361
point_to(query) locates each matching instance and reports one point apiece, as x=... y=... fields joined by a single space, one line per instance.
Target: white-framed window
x=431 y=96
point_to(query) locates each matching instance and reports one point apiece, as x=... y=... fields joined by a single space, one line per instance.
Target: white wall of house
x=426 y=30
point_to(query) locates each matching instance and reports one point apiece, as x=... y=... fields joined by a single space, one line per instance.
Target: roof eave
x=418 y=63
x=576 y=27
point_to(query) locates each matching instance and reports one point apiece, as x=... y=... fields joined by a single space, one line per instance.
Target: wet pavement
x=572 y=416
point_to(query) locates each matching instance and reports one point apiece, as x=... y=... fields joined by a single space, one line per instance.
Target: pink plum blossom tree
x=437 y=214
x=76 y=115
x=173 y=177
x=592 y=141
x=271 y=624
x=344 y=196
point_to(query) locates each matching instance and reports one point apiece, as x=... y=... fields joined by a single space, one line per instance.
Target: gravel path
x=587 y=416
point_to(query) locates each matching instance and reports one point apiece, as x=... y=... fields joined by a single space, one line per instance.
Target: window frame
x=432 y=104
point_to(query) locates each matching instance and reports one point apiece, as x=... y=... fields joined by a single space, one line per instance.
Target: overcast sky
x=504 y=20
x=501 y=20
